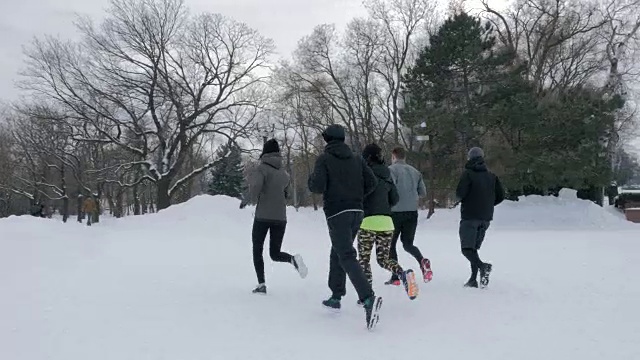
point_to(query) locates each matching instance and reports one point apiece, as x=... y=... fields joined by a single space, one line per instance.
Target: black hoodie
x=385 y=195
x=342 y=178
x=479 y=190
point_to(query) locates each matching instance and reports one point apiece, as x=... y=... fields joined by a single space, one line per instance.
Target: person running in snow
x=478 y=192
x=411 y=187
x=344 y=180
x=268 y=187
x=377 y=226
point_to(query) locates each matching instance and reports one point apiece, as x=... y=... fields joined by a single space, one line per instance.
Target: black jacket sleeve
x=318 y=180
x=499 y=192
x=370 y=181
x=394 y=197
x=462 y=190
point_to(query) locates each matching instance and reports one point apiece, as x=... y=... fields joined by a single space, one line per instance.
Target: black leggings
x=405 y=224
x=276 y=235
x=474 y=260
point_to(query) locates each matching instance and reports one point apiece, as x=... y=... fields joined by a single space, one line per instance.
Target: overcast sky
x=285 y=21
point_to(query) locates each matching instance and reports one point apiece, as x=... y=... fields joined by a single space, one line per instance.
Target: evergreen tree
x=470 y=92
x=227 y=172
x=445 y=88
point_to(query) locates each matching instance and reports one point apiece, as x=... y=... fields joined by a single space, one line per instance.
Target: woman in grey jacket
x=268 y=186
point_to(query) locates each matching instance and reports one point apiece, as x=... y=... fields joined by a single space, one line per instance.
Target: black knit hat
x=270 y=146
x=373 y=153
x=333 y=132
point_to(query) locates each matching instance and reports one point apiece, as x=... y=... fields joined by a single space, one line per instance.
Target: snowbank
x=565 y=212
x=532 y=213
x=214 y=213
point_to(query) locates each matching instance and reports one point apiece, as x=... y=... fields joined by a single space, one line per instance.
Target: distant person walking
x=89 y=208
x=411 y=188
x=344 y=180
x=478 y=191
x=377 y=226
x=268 y=186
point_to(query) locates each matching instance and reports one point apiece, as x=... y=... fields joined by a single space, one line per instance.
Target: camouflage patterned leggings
x=382 y=240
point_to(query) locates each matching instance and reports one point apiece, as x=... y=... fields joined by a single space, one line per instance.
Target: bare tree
x=363 y=44
x=401 y=23
x=154 y=80
x=322 y=70
x=555 y=39
x=306 y=113
x=621 y=38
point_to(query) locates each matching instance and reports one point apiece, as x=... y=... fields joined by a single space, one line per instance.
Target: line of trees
x=154 y=105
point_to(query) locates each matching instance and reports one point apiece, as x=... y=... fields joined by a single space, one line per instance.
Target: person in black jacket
x=344 y=180
x=377 y=227
x=478 y=191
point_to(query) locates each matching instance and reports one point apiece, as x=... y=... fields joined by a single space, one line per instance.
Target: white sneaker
x=300 y=266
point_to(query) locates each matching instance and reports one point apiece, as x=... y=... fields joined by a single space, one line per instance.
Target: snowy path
x=177 y=286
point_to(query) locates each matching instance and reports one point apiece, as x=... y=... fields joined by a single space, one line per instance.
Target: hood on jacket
x=272 y=159
x=476 y=164
x=381 y=171
x=338 y=149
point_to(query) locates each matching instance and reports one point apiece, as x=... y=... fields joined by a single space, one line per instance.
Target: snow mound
x=564 y=212
x=532 y=213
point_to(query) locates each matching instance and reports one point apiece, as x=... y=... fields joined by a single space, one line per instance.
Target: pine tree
x=227 y=172
x=445 y=87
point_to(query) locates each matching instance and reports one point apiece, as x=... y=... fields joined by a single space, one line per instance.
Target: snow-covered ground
x=177 y=286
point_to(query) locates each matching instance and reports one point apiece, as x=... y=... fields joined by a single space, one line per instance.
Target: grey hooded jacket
x=268 y=187
x=410 y=186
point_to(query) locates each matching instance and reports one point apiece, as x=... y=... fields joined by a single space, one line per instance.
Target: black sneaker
x=372 y=307
x=472 y=283
x=332 y=303
x=260 y=289
x=485 y=271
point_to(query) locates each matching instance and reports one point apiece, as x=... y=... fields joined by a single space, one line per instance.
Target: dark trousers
x=405 y=224
x=343 y=229
x=276 y=235
x=472 y=233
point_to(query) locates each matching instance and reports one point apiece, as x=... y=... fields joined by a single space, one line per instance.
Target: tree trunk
x=65 y=208
x=112 y=204
x=144 y=202
x=65 y=197
x=119 y=200
x=162 y=193
x=96 y=214
x=79 y=207
x=136 y=201
x=432 y=178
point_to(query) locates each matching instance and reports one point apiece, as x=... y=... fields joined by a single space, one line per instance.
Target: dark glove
x=243 y=205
